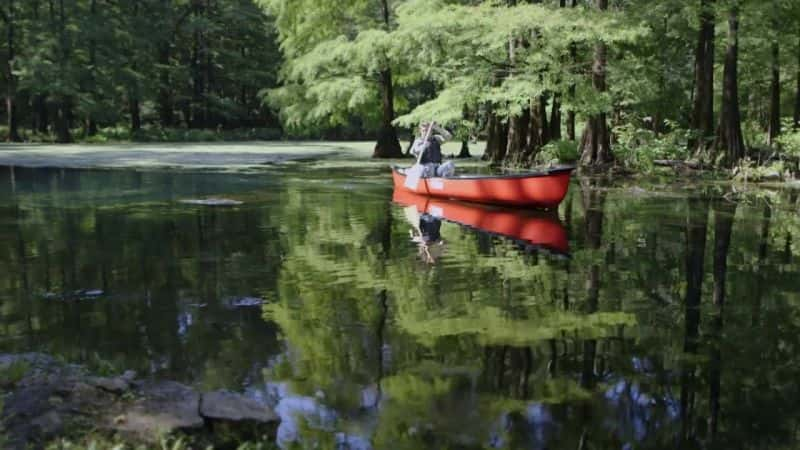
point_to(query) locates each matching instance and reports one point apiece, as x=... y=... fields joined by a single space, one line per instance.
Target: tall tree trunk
x=133 y=90
x=797 y=93
x=91 y=126
x=517 y=124
x=41 y=119
x=185 y=107
x=775 y=97
x=64 y=113
x=573 y=56
x=555 y=115
x=388 y=146
x=501 y=131
x=197 y=73
x=571 y=117
x=243 y=85
x=466 y=115
x=464 y=152
x=63 y=117
x=496 y=139
x=596 y=141
x=516 y=150
x=91 y=123
x=555 y=118
x=490 y=150
x=165 y=107
x=536 y=136
x=728 y=145
x=135 y=110
x=665 y=63
x=208 y=78
x=11 y=79
x=724 y=213
x=702 y=119
x=544 y=127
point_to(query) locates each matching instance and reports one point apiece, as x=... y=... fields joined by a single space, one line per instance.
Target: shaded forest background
x=597 y=81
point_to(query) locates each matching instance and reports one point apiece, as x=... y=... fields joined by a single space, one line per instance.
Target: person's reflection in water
x=428 y=237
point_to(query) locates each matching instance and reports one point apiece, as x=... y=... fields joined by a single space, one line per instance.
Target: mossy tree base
x=388 y=146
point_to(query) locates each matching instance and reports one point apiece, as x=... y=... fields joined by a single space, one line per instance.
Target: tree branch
x=3 y=16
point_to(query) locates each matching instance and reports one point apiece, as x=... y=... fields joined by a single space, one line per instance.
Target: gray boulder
x=115 y=385
x=163 y=407
x=229 y=406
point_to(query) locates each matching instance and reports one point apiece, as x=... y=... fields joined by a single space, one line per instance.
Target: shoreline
x=44 y=400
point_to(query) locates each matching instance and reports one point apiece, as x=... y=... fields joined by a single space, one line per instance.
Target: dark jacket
x=433 y=151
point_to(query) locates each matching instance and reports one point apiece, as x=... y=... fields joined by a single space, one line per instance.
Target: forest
x=631 y=83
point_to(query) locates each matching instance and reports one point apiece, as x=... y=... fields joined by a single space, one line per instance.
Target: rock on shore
x=45 y=399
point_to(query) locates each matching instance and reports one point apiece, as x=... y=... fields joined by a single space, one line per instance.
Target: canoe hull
x=541 y=190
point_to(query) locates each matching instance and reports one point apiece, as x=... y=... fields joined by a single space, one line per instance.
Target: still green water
x=671 y=318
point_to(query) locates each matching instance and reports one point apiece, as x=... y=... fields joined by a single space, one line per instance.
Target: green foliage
x=753 y=133
x=203 y=63
x=749 y=171
x=789 y=143
x=639 y=147
x=464 y=48
x=316 y=65
x=558 y=152
x=335 y=52
x=116 y=134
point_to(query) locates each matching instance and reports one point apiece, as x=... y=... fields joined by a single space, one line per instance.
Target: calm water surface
x=664 y=316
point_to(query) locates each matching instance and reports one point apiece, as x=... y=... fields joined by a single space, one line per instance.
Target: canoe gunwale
x=542 y=173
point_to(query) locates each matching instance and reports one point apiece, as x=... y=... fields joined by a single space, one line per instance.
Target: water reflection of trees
x=473 y=346
x=673 y=323
x=156 y=263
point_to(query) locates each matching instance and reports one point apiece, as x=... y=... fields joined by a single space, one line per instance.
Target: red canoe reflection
x=535 y=227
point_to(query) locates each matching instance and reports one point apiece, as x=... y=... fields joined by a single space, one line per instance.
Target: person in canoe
x=429 y=143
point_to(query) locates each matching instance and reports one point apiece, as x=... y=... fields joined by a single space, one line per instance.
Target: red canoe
x=543 y=189
x=540 y=228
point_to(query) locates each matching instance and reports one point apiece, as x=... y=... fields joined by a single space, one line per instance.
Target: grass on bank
x=636 y=147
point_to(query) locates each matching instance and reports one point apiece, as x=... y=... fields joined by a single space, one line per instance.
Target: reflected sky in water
x=635 y=316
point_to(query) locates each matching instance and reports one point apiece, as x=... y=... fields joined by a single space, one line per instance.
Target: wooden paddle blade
x=413 y=175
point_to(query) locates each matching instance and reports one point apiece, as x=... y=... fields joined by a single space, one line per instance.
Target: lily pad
x=212 y=202
x=244 y=302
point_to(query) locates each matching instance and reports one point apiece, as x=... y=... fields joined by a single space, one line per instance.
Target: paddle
x=414 y=173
